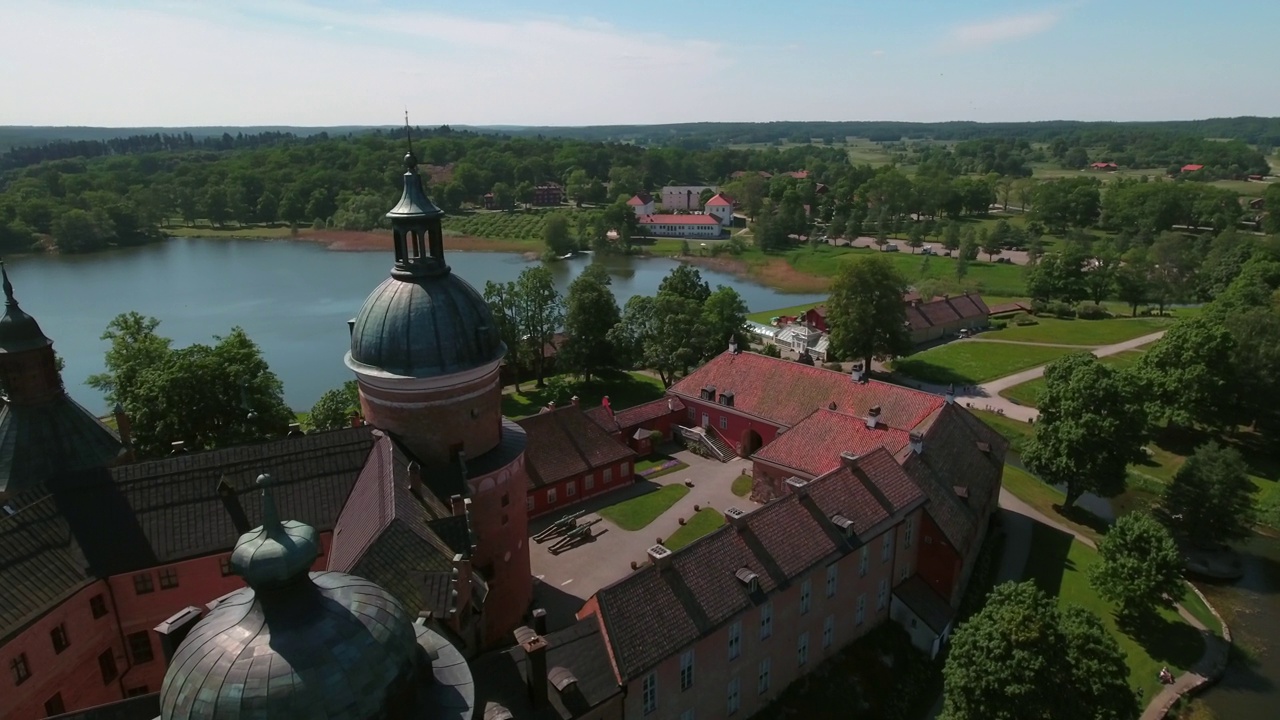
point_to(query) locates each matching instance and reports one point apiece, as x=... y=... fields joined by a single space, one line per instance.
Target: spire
x=8 y=287
x=415 y=223
x=18 y=330
x=270 y=517
x=410 y=160
x=274 y=554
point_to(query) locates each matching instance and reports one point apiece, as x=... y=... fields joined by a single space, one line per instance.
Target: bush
x=833 y=366
x=999 y=324
x=1062 y=310
x=1023 y=320
x=1093 y=312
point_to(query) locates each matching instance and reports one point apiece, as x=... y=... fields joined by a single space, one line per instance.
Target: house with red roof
x=945 y=316
x=682 y=226
x=1103 y=166
x=641 y=203
x=720 y=206
x=635 y=425
x=1191 y=168
x=570 y=458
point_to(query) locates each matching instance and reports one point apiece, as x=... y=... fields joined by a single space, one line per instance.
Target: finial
x=270 y=518
x=410 y=161
x=8 y=286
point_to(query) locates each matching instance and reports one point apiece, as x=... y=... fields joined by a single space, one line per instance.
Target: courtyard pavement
x=562 y=583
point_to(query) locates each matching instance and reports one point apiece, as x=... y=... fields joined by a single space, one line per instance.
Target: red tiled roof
x=719 y=200
x=813 y=446
x=564 y=442
x=1009 y=307
x=648 y=411
x=798 y=174
x=678 y=220
x=1192 y=168
x=640 y=199
x=784 y=392
x=652 y=613
x=940 y=311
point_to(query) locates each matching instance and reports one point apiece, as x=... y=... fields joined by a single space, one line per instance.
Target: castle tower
x=43 y=432
x=426 y=353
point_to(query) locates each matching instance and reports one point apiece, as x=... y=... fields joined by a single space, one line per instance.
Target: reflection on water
x=1251 y=686
x=293 y=298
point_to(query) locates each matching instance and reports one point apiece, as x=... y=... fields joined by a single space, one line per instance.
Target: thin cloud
x=1005 y=29
x=877 y=53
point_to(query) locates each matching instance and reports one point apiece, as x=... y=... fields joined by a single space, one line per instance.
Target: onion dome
x=18 y=330
x=296 y=644
x=423 y=321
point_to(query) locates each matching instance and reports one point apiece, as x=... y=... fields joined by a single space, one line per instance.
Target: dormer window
x=749 y=579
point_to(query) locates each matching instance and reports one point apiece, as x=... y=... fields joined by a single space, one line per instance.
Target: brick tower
x=426 y=353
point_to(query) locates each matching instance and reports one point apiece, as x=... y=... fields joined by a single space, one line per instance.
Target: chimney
x=415 y=477
x=551 y=405
x=660 y=556
x=174 y=630
x=671 y=404
x=735 y=517
x=574 y=400
x=950 y=397
x=849 y=459
x=540 y=621
x=873 y=417
x=123 y=428
x=798 y=486
x=356 y=420
x=856 y=374
x=536 y=649
x=295 y=430
x=917 y=442
x=733 y=346
x=177 y=447
x=962 y=493
x=457 y=505
x=604 y=402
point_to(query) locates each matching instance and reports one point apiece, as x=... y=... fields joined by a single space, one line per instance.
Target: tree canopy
x=591 y=312
x=865 y=312
x=1210 y=500
x=1140 y=568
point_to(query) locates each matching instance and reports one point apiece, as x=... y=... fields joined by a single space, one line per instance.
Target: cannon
x=559 y=527
x=572 y=538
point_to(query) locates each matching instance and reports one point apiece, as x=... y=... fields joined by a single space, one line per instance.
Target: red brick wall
x=735 y=424
x=430 y=422
x=501 y=526
x=564 y=501
x=937 y=560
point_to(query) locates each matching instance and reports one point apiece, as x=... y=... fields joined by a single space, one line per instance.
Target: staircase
x=718 y=448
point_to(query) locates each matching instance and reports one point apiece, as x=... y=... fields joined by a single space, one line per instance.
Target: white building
x=686 y=226
x=642 y=203
x=683 y=197
x=721 y=207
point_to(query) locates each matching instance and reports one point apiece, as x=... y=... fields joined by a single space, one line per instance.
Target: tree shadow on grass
x=1168 y=642
x=930 y=372
x=1047 y=560
x=1080 y=516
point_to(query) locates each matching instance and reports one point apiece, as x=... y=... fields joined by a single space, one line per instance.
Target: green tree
x=1187 y=375
x=1132 y=279
x=135 y=347
x=685 y=281
x=992 y=243
x=915 y=237
x=268 y=207
x=1271 y=202
x=724 y=319
x=1091 y=427
x=214 y=204
x=951 y=237
x=555 y=233
x=1210 y=501
x=660 y=333
x=577 y=185
x=1139 y=567
x=77 y=231
x=539 y=313
x=591 y=312
x=503 y=299
x=1021 y=657
x=504 y=196
x=335 y=407
x=867 y=317
x=293 y=207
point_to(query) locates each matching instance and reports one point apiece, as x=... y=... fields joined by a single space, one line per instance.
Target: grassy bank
x=702 y=523
x=624 y=389
x=970 y=363
x=636 y=513
x=1028 y=393
x=1091 y=333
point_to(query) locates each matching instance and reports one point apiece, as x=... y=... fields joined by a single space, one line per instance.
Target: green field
x=1015 y=431
x=623 y=389
x=992 y=278
x=1091 y=333
x=1028 y=393
x=764 y=316
x=702 y=523
x=971 y=363
x=1059 y=565
x=639 y=511
x=516 y=225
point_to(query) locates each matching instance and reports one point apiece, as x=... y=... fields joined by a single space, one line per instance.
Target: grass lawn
x=1081 y=332
x=1047 y=499
x=1059 y=565
x=623 y=389
x=1197 y=608
x=702 y=522
x=993 y=278
x=653 y=462
x=1028 y=393
x=764 y=316
x=970 y=363
x=1015 y=431
x=638 y=512
x=741 y=485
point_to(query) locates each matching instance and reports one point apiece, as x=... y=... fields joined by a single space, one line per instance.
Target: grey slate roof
x=916 y=594
x=41 y=442
x=565 y=443
x=502 y=677
x=40 y=563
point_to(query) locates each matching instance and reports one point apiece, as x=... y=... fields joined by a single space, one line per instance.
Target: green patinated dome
x=18 y=330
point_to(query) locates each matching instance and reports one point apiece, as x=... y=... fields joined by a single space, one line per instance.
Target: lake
x=292 y=298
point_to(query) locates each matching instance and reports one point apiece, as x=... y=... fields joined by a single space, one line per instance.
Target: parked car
x=891 y=247
x=1005 y=260
x=926 y=250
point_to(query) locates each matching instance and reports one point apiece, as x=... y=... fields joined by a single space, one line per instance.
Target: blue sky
x=573 y=62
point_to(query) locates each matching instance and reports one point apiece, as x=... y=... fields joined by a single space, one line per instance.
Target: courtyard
x=564 y=581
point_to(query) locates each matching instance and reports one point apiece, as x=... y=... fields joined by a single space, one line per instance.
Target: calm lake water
x=293 y=299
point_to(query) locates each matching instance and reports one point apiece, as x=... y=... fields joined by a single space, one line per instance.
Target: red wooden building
x=571 y=458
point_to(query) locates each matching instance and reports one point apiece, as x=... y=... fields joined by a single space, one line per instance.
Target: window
x=588 y=481
x=571 y=489
x=862 y=563
x=735 y=640
x=626 y=469
x=528 y=503
x=142 y=583
x=804 y=597
x=506 y=499
x=608 y=475
x=224 y=565
x=908 y=532
x=168 y=578
x=18 y=666
x=762 y=683
x=832 y=575
x=862 y=610
x=686 y=669
x=802 y=649
x=724 y=423
x=98 y=606
x=766 y=620
x=649 y=693
x=828 y=631
x=883 y=595
x=140 y=647
x=734 y=696
x=706 y=420
x=59 y=637
x=107 y=664
x=886 y=547
x=693 y=414
x=54 y=705
x=551 y=496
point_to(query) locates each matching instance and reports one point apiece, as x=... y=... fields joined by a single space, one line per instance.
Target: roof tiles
x=565 y=443
x=813 y=446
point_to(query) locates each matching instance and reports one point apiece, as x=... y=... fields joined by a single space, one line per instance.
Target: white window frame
x=766 y=620
x=649 y=693
x=724 y=422
x=570 y=489
x=735 y=640
x=762 y=680
x=886 y=547
x=828 y=631
x=551 y=496
x=804 y=596
x=862 y=610
x=802 y=649
x=735 y=696
x=833 y=579
x=883 y=594
x=862 y=563
x=589 y=481
x=686 y=669
x=608 y=475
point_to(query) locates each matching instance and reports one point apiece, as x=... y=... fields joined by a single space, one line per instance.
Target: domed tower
x=426 y=353
x=43 y=432
x=296 y=644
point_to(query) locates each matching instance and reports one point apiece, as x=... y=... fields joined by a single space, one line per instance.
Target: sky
x=122 y=63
